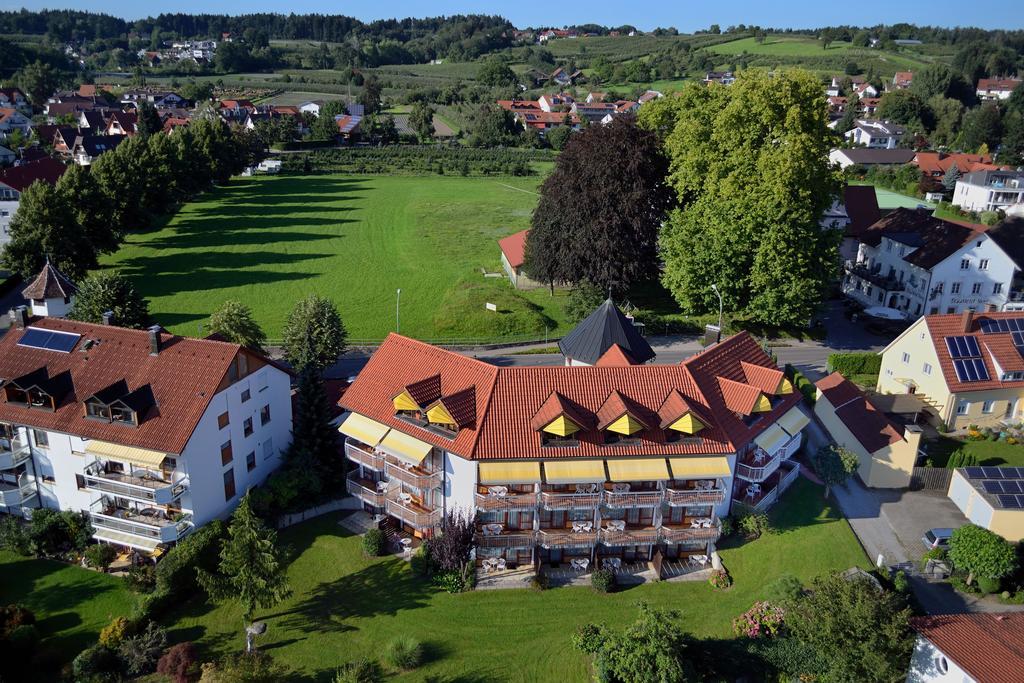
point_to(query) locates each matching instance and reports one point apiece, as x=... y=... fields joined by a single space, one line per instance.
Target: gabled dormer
x=621 y=419
x=454 y=412
x=116 y=404
x=413 y=400
x=38 y=390
x=771 y=381
x=680 y=418
x=745 y=401
x=559 y=421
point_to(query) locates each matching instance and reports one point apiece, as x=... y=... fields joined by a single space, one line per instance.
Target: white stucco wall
x=460 y=482
x=927 y=664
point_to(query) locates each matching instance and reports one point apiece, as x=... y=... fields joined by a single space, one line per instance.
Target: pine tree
x=949 y=179
x=314 y=438
x=251 y=568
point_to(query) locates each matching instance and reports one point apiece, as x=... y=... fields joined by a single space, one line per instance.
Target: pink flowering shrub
x=763 y=619
x=720 y=579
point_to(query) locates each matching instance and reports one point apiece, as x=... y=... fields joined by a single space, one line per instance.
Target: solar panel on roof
x=974 y=473
x=992 y=486
x=1011 y=486
x=992 y=472
x=1018 y=339
x=1008 y=501
x=51 y=340
x=970 y=370
x=62 y=341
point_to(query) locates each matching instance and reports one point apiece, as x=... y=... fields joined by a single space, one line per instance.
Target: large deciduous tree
x=980 y=552
x=982 y=126
x=600 y=210
x=835 y=464
x=107 y=291
x=314 y=333
x=44 y=227
x=234 y=321
x=79 y=189
x=907 y=108
x=749 y=164
x=421 y=120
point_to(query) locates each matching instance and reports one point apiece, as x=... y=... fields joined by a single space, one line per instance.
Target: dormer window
x=38 y=398
x=560 y=432
x=16 y=395
x=122 y=414
x=97 y=410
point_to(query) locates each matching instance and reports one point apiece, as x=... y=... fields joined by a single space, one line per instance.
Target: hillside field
x=268 y=241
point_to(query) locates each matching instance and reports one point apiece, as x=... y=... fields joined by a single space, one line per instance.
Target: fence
x=930 y=478
x=454 y=343
x=333 y=506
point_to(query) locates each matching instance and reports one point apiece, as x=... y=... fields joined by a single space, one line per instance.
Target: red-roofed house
x=968 y=648
x=513 y=249
x=936 y=164
x=997 y=88
x=887 y=450
x=902 y=80
x=572 y=464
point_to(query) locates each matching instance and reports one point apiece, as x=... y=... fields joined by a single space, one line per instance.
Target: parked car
x=937 y=538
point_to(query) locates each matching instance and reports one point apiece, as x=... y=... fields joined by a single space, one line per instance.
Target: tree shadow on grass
x=252 y=233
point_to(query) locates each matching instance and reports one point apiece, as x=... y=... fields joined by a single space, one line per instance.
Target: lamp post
x=714 y=288
x=398 y=299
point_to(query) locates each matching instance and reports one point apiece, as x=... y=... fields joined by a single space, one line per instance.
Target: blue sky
x=686 y=15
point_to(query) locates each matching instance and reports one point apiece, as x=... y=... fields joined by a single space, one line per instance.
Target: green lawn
x=345 y=606
x=788 y=46
x=268 y=241
x=71 y=604
x=988 y=453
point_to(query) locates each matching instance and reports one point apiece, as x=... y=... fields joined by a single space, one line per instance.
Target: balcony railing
x=552 y=500
x=506 y=539
x=566 y=538
x=421 y=519
x=511 y=502
x=684 y=533
x=760 y=472
x=629 y=536
x=13 y=452
x=361 y=456
x=147 y=490
x=889 y=284
x=13 y=495
x=129 y=522
x=633 y=499
x=683 y=497
x=364 y=493
x=416 y=478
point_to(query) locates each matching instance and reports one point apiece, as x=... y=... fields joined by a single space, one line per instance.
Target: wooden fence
x=930 y=478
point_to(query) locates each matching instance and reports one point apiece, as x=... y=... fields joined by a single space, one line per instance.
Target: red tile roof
x=514 y=247
x=764 y=378
x=183 y=378
x=20 y=177
x=512 y=403
x=998 y=83
x=937 y=163
x=942 y=326
x=867 y=423
x=987 y=646
x=615 y=355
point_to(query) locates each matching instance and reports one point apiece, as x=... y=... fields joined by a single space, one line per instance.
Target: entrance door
x=1011 y=408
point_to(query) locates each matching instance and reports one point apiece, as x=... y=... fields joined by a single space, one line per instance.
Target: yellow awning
x=574 y=472
x=626 y=425
x=440 y=415
x=134 y=456
x=637 y=469
x=405 y=447
x=363 y=429
x=794 y=421
x=561 y=426
x=763 y=405
x=692 y=468
x=687 y=424
x=772 y=439
x=785 y=387
x=510 y=473
x=404 y=402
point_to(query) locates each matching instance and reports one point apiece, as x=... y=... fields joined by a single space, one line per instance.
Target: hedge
x=416 y=160
x=865 y=363
x=176 y=572
x=802 y=384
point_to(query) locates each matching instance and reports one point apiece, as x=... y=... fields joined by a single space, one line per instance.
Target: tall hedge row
x=855 y=363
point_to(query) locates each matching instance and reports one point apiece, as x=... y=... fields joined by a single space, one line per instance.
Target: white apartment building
x=990 y=191
x=922 y=265
x=150 y=433
x=875 y=134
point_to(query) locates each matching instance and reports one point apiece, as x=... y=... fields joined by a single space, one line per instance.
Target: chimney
x=912 y=434
x=967 y=317
x=19 y=317
x=154 y=340
x=108 y=318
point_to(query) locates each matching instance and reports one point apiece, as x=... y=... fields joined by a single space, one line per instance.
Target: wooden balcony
x=512 y=502
x=360 y=454
x=686 y=497
x=639 y=536
x=684 y=533
x=413 y=476
x=633 y=499
x=142 y=527
x=566 y=538
x=557 y=500
x=364 y=490
x=510 y=538
x=413 y=514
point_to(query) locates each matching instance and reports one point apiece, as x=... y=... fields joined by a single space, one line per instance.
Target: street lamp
x=714 y=288
x=398 y=299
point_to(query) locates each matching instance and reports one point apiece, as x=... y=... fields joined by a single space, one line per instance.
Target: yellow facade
x=978 y=413
x=1009 y=524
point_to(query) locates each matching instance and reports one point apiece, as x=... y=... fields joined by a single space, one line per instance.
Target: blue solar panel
x=992 y=472
x=1009 y=501
x=1018 y=339
x=974 y=473
x=1011 y=486
x=970 y=370
x=51 y=340
x=62 y=341
x=992 y=486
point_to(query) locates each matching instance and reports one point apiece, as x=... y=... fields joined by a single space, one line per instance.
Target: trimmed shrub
x=755 y=524
x=245 y=667
x=864 y=363
x=405 y=653
x=361 y=671
x=603 y=580
x=784 y=589
x=728 y=528
x=802 y=384
x=720 y=579
x=140 y=653
x=100 y=556
x=180 y=663
x=96 y=663
x=900 y=582
x=987 y=585
x=374 y=543
x=115 y=632
x=961 y=458
x=13 y=536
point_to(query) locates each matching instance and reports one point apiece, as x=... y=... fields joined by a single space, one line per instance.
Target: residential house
x=866 y=156
x=312 y=107
x=236 y=110
x=990 y=497
x=869 y=105
x=901 y=80
x=596 y=334
x=88 y=148
x=64 y=139
x=7 y=156
x=990 y=191
x=837 y=105
x=563 y=78
x=648 y=96
x=722 y=77
x=919 y=264
x=935 y=165
x=17 y=179
x=996 y=88
x=13 y=121
x=980 y=647
x=150 y=433
x=853 y=213
x=122 y=123
x=513 y=249
x=886 y=449
x=172 y=122
x=967 y=368
x=593 y=97
x=13 y=98
x=348 y=126
x=875 y=134
x=569 y=466
x=93 y=119
x=865 y=89
x=555 y=103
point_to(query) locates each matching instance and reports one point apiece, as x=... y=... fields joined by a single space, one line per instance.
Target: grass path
x=346 y=606
x=268 y=241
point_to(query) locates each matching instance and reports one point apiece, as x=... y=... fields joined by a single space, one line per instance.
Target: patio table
x=586 y=488
x=620 y=487
x=581 y=527
x=616 y=525
x=499 y=491
x=492 y=529
x=613 y=562
x=579 y=563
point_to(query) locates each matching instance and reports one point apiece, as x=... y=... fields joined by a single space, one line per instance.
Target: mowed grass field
x=269 y=241
x=787 y=46
x=346 y=606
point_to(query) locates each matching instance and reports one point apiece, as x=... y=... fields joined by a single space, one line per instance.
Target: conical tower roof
x=50 y=284
x=600 y=330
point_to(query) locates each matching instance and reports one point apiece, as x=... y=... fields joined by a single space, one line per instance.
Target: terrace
x=143 y=485
x=692 y=529
x=505 y=498
x=757 y=465
x=17 y=492
x=578 y=496
x=573 y=535
x=759 y=496
x=494 y=535
x=626 y=495
x=143 y=528
x=412 y=511
x=369 y=491
x=362 y=454
x=14 y=450
x=695 y=492
x=412 y=475
x=618 y=533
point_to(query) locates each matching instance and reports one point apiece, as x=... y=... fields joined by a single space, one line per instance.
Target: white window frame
x=926 y=368
x=963 y=407
x=906 y=358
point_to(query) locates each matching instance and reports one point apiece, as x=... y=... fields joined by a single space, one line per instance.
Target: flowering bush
x=720 y=579
x=763 y=619
x=975 y=435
